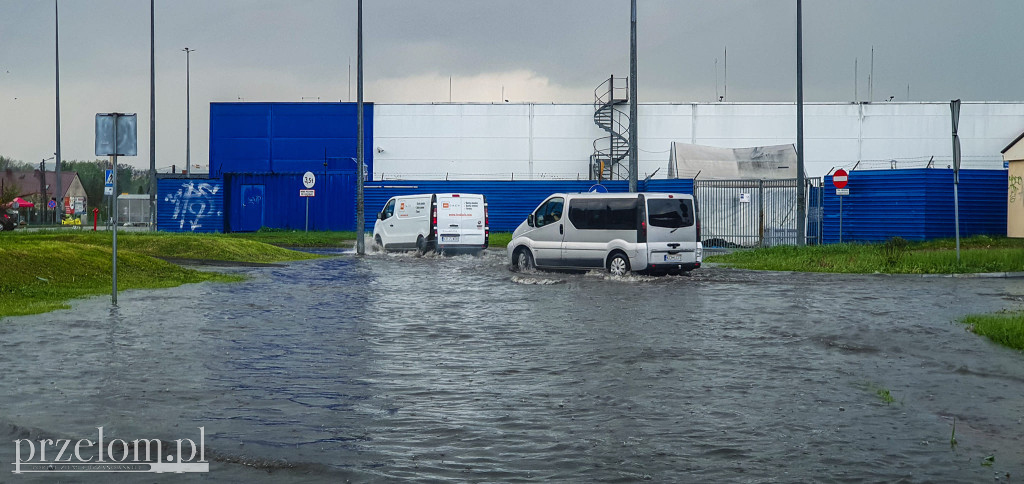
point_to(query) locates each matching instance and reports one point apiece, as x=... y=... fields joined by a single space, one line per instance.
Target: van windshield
x=670 y=213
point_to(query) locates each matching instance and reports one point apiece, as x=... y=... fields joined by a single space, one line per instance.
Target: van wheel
x=524 y=260
x=618 y=264
x=380 y=244
x=421 y=245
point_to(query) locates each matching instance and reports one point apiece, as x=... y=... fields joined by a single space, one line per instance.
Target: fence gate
x=755 y=213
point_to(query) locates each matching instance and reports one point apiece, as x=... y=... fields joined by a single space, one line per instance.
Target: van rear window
x=670 y=213
x=603 y=213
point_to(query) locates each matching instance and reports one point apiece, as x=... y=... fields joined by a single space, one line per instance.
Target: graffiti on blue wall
x=194 y=204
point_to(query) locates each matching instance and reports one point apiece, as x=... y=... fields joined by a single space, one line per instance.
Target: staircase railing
x=609 y=151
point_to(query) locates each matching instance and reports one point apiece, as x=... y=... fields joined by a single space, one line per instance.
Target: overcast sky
x=530 y=50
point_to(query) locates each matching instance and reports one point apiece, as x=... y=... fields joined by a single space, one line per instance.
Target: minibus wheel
x=421 y=245
x=524 y=260
x=618 y=264
x=380 y=244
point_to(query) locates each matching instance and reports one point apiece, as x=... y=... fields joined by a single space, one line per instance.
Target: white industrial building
x=544 y=141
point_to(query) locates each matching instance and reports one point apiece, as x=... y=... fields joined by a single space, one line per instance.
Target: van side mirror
x=380 y=215
x=531 y=221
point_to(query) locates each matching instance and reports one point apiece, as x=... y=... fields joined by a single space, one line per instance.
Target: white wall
x=536 y=141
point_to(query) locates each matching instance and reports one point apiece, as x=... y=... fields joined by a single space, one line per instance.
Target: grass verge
x=1005 y=328
x=896 y=256
x=44 y=270
x=499 y=240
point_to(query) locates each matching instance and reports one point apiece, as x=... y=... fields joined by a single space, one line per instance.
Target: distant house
x=1013 y=156
x=30 y=186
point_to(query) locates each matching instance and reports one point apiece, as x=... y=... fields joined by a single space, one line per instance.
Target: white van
x=657 y=233
x=441 y=222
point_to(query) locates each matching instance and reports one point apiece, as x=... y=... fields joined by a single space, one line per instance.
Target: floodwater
x=396 y=368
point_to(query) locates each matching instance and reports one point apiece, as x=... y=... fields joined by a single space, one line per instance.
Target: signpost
x=108 y=183
x=954 y=107
x=116 y=134
x=839 y=180
x=308 y=181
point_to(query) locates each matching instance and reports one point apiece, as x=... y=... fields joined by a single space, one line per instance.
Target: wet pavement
x=393 y=368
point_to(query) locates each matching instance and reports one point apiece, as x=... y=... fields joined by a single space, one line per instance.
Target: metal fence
x=133 y=210
x=756 y=213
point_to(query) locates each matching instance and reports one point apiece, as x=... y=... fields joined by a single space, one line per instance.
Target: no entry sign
x=839 y=178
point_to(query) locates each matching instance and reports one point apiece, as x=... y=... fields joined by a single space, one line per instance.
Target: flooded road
x=392 y=368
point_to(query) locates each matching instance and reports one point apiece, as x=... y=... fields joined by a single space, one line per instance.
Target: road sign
x=109 y=178
x=842 y=191
x=51 y=204
x=116 y=134
x=599 y=188
x=307 y=193
x=108 y=190
x=308 y=180
x=839 y=178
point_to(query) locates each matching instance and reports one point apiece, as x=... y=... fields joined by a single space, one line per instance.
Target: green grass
x=977 y=254
x=44 y=270
x=885 y=396
x=298 y=238
x=1005 y=328
x=499 y=240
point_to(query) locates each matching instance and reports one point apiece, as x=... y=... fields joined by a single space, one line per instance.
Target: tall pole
x=633 y=151
x=725 y=80
x=801 y=210
x=360 y=243
x=59 y=194
x=152 y=117
x=188 y=111
x=113 y=225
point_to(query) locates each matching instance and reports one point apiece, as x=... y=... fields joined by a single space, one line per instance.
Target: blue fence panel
x=281 y=207
x=190 y=205
x=983 y=206
x=508 y=202
x=286 y=137
x=915 y=205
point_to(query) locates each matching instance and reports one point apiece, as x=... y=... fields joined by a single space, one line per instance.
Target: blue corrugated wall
x=509 y=202
x=286 y=137
x=915 y=205
x=190 y=205
x=281 y=207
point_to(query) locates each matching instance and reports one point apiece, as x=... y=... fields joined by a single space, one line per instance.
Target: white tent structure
x=709 y=162
x=747 y=196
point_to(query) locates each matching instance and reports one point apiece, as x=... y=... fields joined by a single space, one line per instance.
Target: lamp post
x=188 y=111
x=360 y=223
x=56 y=48
x=801 y=209
x=152 y=116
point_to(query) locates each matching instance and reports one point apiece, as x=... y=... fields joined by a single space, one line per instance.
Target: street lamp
x=188 y=111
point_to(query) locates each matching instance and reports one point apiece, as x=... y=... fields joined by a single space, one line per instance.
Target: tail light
x=698 y=229
x=487 y=226
x=643 y=230
x=433 y=221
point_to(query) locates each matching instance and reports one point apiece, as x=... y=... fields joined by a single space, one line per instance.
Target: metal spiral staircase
x=609 y=151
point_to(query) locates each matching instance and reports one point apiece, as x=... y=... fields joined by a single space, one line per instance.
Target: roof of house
x=28 y=181
x=1012 y=143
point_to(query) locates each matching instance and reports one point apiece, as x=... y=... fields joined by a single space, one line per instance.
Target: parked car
x=442 y=222
x=9 y=217
x=657 y=233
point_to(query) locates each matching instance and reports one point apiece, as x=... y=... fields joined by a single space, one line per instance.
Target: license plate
x=449 y=238
x=673 y=257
